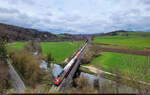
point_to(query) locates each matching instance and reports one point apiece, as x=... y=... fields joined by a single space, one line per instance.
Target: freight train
x=68 y=67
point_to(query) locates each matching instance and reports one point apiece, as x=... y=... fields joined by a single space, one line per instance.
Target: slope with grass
x=136 y=65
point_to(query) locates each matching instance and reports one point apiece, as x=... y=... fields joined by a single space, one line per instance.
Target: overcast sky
x=81 y=16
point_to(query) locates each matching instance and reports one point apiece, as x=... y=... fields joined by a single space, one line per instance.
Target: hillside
x=129 y=33
x=14 y=33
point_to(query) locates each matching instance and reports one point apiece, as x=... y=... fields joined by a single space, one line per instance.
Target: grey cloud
x=145 y=1
x=10 y=11
x=13 y=16
x=21 y=1
x=147 y=9
x=70 y=18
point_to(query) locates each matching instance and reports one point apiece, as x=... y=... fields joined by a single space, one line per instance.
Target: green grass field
x=59 y=50
x=60 y=35
x=137 y=43
x=134 y=64
x=17 y=45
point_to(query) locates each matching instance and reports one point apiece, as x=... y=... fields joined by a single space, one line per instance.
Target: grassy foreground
x=59 y=50
x=132 y=42
x=136 y=65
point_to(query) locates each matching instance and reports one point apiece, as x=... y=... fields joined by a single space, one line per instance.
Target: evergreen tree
x=3 y=50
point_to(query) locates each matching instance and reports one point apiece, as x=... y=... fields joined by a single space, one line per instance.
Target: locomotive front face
x=57 y=81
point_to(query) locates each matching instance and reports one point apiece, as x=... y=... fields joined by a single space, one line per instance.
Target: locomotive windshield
x=60 y=74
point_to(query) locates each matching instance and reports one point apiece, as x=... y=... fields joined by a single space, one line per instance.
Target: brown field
x=127 y=51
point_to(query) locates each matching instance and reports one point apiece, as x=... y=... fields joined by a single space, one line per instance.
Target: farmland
x=126 y=63
x=59 y=50
x=136 y=43
x=126 y=51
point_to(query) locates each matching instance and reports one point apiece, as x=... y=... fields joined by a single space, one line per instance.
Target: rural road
x=16 y=80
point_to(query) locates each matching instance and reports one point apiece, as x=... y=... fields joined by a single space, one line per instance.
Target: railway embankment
x=17 y=82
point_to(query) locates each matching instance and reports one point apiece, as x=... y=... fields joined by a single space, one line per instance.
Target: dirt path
x=127 y=51
x=97 y=71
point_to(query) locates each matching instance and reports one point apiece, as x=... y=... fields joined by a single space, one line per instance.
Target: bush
x=96 y=84
x=83 y=86
x=33 y=46
x=3 y=50
x=91 y=52
x=49 y=59
x=27 y=65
